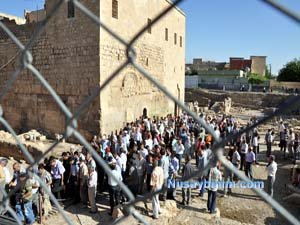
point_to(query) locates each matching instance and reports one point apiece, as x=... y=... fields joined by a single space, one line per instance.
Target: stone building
x=200 y=65
x=35 y=16
x=75 y=56
x=256 y=64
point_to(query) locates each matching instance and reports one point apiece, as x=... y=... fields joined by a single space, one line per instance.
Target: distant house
x=256 y=64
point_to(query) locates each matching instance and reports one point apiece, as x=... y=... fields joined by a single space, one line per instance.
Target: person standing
x=2 y=184
x=141 y=172
x=179 y=148
x=187 y=172
x=271 y=169
x=6 y=172
x=165 y=163
x=291 y=141
x=92 y=189
x=250 y=159
x=24 y=200
x=295 y=147
x=90 y=162
x=255 y=144
x=66 y=174
x=214 y=177
x=173 y=172
x=236 y=159
x=228 y=176
x=269 y=137
x=57 y=172
x=243 y=151
x=83 y=179
x=149 y=170
x=73 y=180
x=202 y=161
x=157 y=180
x=283 y=141
x=114 y=189
x=46 y=178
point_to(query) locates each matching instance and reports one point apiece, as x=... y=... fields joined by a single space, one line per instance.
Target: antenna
x=37 y=12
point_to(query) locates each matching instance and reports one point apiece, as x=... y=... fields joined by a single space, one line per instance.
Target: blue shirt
x=58 y=170
x=250 y=157
x=175 y=164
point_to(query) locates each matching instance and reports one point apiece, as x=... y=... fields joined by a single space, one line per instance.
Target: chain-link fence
x=71 y=125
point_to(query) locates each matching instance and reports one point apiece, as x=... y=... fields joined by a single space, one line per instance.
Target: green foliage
x=191 y=72
x=290 y=72
x=194 y=72
x=268 y=73
x=254 y=78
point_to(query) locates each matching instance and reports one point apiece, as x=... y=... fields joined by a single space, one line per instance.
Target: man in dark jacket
x=187 y=171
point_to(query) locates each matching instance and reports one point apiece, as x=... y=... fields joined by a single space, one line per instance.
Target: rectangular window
x=175 y=39
x=115 y=9
x=149 y=26
x=166 y=34
x=180 y=42
x=71 y=9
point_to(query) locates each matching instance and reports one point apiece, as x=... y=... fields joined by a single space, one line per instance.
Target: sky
x=219 y=29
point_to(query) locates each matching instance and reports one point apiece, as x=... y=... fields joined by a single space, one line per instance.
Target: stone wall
x=67 y=54
x=130 y=93
x=284 y=85
x=74 y=55
x=238 y=99
x=10 y=150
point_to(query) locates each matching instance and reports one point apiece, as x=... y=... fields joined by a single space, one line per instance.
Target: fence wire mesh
x=71 y=125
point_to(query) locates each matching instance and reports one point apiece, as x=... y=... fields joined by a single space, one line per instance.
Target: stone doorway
x=145 y=113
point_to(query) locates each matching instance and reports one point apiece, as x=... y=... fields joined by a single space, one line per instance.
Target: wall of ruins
x=239 y=99
x=129 y=93
x=288 y=85
x=67 y=54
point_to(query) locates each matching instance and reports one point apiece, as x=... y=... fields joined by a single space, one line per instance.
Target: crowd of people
x=144 y=155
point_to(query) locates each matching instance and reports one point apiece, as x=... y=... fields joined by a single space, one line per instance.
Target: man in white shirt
x=214 y=176
x=249 y=160
x=92 y=189
x=144 y=151
x=269 y=137
x=271 y=169
x=291 y=142
x=114 y=189
x=6 y=172
x=157 y=181
x=179 y=151
x=138 y=136
x=123 y=159
x=125 y=141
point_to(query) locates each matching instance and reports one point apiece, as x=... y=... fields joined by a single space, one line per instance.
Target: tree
x=254 y=78
x=268 y=73
x=290 y=72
